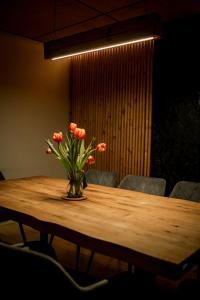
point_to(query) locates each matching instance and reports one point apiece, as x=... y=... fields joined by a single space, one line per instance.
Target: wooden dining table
x=158 y=234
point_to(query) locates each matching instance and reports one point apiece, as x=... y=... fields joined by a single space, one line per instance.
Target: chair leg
x=22 y=233
x=131 y=269
x=90 y=261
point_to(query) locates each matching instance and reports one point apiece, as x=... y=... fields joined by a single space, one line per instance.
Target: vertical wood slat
x=111 y=97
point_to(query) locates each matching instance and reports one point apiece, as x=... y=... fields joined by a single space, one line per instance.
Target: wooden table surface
x=159 y=234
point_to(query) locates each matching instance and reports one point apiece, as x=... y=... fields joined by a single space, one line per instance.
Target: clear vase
x=75 y=187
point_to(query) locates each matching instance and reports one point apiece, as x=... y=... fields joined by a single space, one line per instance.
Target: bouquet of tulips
x=73 y=155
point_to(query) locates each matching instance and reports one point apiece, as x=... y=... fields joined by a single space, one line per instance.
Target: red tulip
x=91 y=160
x=101 y=147
x=79 y=133
x=72 y=127
x=58 y=136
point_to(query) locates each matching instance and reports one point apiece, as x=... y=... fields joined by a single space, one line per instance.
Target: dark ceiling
x=46 y=20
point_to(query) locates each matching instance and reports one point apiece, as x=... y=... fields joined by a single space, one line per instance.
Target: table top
x=157 y=233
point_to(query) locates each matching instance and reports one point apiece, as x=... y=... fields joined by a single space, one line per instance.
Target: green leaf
x=51 y=146
x=90 y=145
x=63 y=150
x=82 y=148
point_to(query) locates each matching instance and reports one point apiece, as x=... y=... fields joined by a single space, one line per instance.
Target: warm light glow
x=106 y=47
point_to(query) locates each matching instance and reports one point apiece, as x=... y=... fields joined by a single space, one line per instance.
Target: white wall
x=34 y=102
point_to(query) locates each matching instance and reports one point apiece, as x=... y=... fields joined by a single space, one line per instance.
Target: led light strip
x=106 y=47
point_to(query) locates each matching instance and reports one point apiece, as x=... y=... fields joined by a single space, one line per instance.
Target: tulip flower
x=72 y=127
x=101 y=147
x=79 y=133
x=91 y=160
x=58 y=137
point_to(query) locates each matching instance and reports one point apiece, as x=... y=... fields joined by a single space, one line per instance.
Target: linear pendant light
x=118 y=34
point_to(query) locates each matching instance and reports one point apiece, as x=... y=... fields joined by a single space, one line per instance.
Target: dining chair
x=107 y=178
x=187 y=190
x=1 y=176
x=4 y=219
x=26 y=273
x=30 y=274
x=145 y=184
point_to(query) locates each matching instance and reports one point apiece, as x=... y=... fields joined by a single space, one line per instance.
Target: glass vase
x=75 y=187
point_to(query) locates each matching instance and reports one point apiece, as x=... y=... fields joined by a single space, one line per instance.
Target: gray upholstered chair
x=1 y=176
x=149 y=185
x=106 y=178
x=26 y=273
x=30 y=274
x=187 y=190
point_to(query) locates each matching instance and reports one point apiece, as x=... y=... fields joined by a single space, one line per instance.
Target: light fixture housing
x=120 y=33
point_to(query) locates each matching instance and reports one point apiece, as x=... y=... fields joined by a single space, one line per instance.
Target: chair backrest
x=149 y=185
x=25 y=270
x=107 y=178
x=1 y=176
x=187 y=190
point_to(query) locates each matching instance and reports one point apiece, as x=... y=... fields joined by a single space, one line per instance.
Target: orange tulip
x=91 y=160
x=101 y=147
x=72 y=127
x=58 y=136
x=79 y=133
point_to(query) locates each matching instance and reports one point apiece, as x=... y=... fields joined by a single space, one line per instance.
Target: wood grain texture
x=111 y=97
x=157 y=233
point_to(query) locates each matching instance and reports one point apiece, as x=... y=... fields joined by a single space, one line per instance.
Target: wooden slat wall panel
x=111 y=97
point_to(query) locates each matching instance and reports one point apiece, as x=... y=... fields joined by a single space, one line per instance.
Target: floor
x=103 y=266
